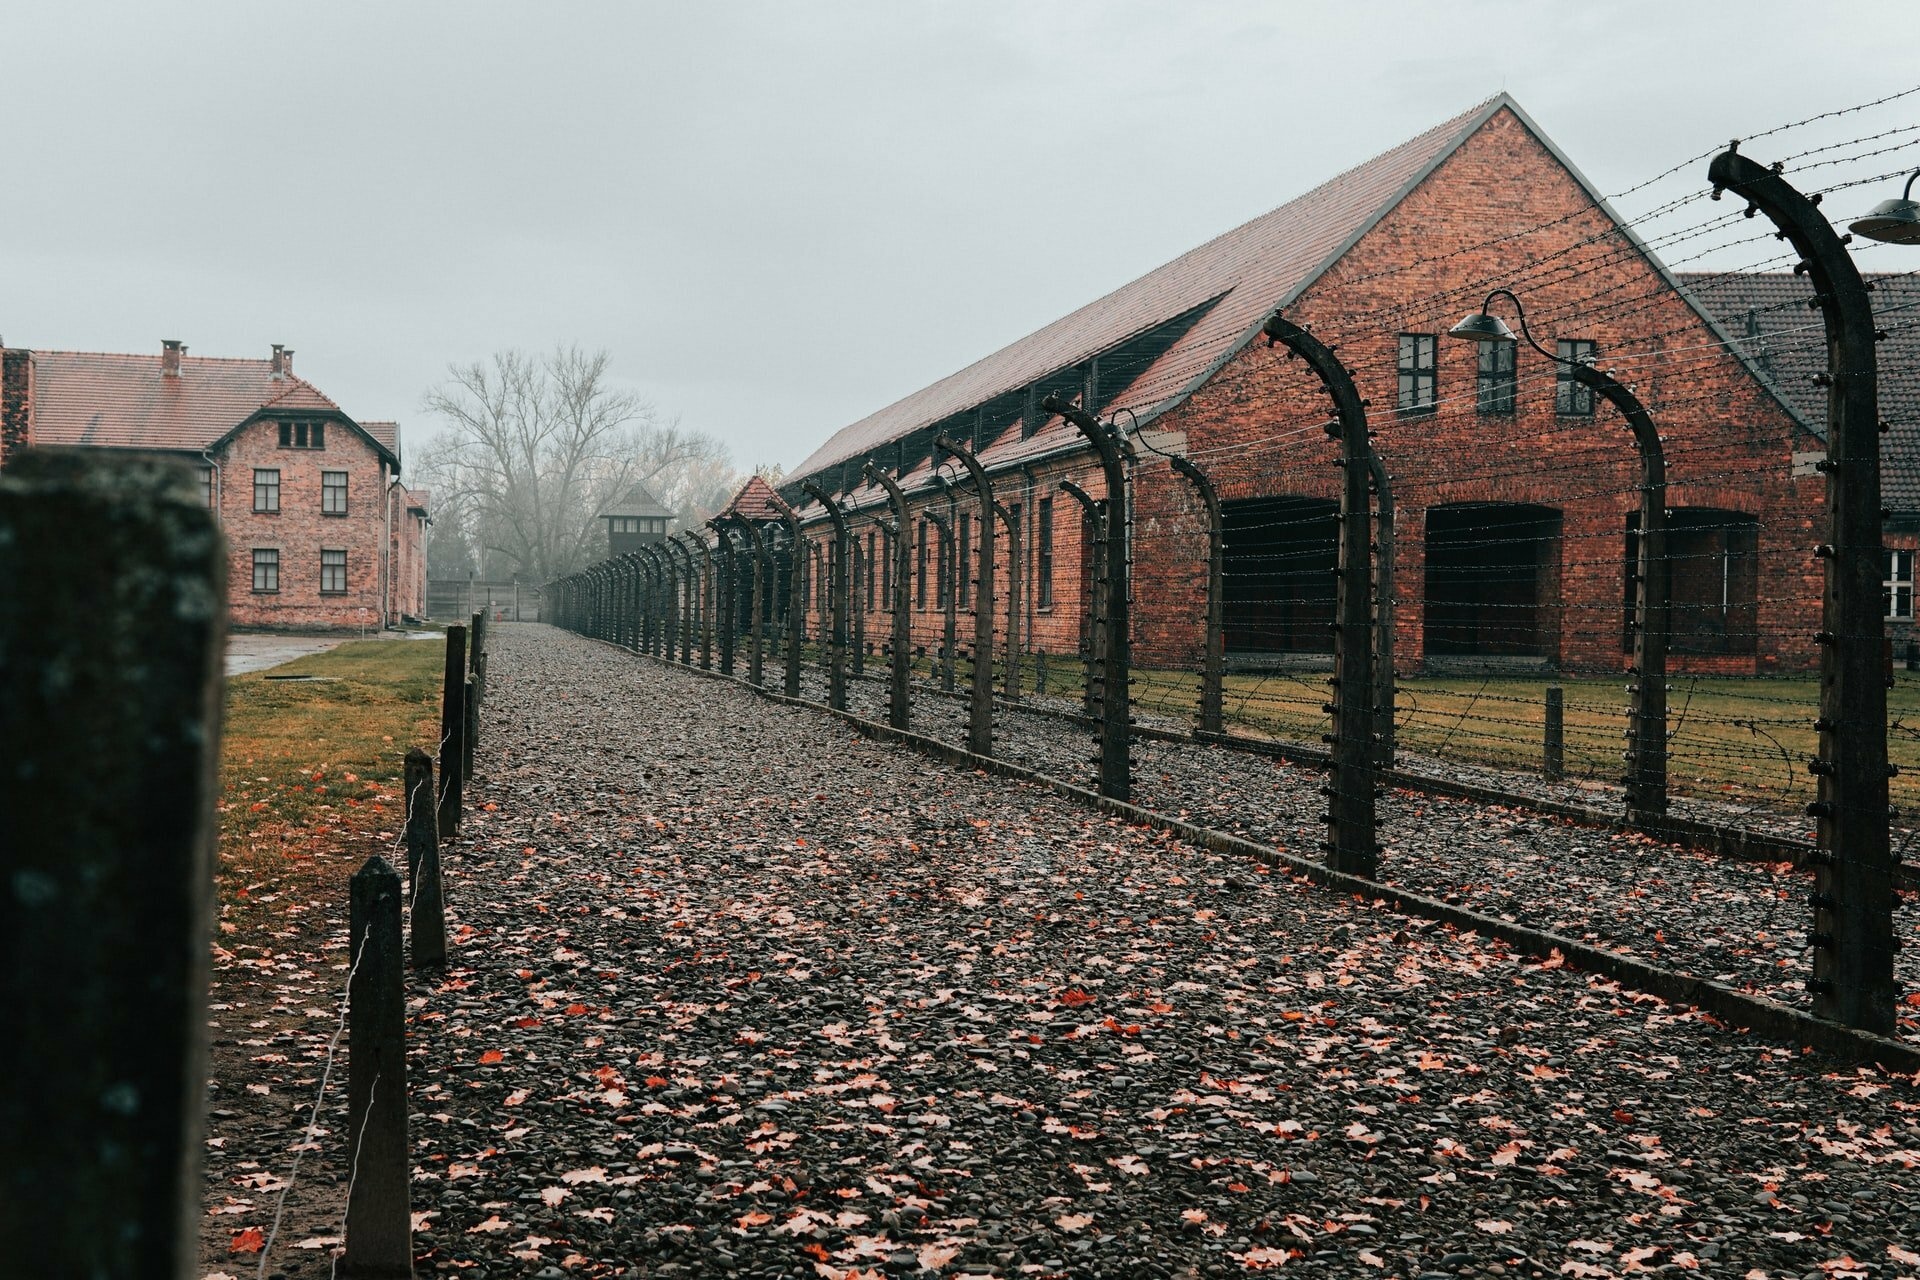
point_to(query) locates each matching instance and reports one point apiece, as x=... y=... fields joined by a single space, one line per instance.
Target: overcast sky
x=776 y=217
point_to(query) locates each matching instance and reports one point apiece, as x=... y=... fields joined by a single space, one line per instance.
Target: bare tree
x=534 y=448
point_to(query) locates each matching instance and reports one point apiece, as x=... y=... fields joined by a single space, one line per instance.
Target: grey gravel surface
x=737 y=992
x=1741 y=923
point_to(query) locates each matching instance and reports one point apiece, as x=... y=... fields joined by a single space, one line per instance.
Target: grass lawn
x=313 y=768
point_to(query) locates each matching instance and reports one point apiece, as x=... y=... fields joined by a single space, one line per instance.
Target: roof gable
x=756 y=501
x=1245 y=274
x=638 y=500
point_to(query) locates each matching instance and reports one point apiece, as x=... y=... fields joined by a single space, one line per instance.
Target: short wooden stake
x=453 y=722
x=470 y=728
x=1555 y=764
x=379 y=1212
x=427 y=912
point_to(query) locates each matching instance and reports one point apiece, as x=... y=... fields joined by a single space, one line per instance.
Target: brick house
x=1516 y=493
x=320 y=531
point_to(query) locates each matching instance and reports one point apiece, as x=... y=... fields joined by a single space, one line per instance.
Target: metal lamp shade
x=1478 y=326
x=1893 y=221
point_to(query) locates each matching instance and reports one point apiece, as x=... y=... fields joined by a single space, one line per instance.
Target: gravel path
x=736 y=992
x=1741 y=923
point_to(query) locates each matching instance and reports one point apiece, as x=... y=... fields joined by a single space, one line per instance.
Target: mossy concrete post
x=379 y=1213
x=112 y=619
x=427 y=912
x=453 y=721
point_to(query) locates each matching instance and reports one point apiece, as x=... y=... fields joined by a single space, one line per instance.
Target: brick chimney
x=286 y=360
x=171 y=349
x=279 y=365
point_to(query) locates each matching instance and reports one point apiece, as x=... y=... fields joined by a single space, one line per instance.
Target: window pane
x=1496 y=383
x=1569 y=397
x=266 y=489
x=1416 y=372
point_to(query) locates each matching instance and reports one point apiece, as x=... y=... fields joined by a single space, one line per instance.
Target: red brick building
x=320 y=531
x=1517 y=493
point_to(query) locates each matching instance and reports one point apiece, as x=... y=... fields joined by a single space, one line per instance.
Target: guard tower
x=634 y=520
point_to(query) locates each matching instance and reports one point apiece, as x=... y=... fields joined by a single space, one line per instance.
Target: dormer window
x=303 y=435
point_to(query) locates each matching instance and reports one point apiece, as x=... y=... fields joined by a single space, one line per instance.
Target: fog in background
x=779 y=217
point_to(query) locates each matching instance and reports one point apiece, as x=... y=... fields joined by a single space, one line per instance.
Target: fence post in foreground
x=837 y=596
x=980 y=702
x=1352 y=845
x=428 y=911
x=1116 y=660
x=1554 y=763
x=1213 y=663
x=1853 y=934
x=1093 y=644
x=379 y=1218
x=453 y=720
x=110 y=697
x=900 y=646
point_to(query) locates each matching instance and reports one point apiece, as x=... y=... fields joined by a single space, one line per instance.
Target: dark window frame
x=329 y=490
x=266 y=571
x=266 y=493
x=333 y=570
x=1414 y=375
x=303 y=433
x=1893 y=584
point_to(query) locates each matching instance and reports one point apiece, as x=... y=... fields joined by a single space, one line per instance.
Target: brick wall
x=300 y=531
x=1728 y=443
x=407 y=579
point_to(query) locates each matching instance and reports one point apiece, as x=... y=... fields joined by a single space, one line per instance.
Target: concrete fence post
x=110 y=697
x=427 y=913
x=379 y=1218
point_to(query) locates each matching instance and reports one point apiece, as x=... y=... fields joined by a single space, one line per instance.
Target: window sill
x=1426 y=411
x=266 y=591
x=332 y=593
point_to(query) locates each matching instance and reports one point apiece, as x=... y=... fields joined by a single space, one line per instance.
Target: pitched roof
x=122 y=401
x=756 y=501
x=420 y=500
x=387 y=433
x=637 y=501
x=1767 y=315
x=1233 y=282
